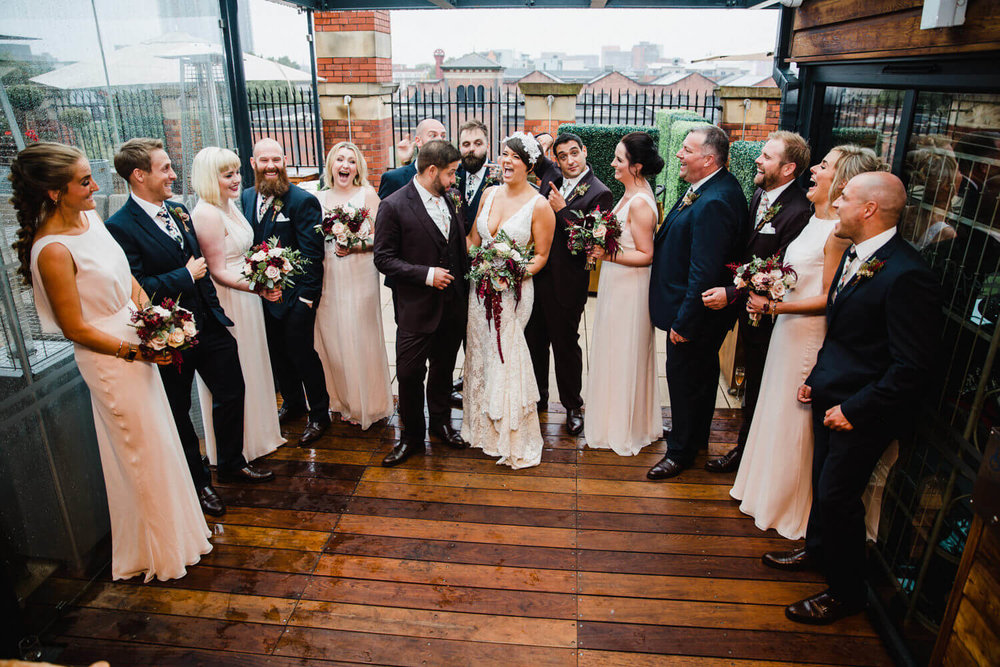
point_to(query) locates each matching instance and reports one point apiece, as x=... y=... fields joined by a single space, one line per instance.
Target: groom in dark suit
x=705 y=231
x=561 y=286
x=883 y=328
x=779 y=211
x=276 y=207
x=164 y=256
x=420 y=246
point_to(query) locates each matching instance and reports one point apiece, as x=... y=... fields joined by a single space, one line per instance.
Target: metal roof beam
x=442 y=4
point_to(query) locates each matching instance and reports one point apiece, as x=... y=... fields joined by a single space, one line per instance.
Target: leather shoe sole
x=665 y=469
x=822 y=609
x=730 y=462
x=796 y=560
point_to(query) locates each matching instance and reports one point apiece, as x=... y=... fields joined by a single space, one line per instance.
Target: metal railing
x=628 y=107
x=83 y=118
x=287 y=115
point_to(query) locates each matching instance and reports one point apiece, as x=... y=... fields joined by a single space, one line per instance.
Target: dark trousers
x=553 y=323
x=295 y=362
x=413 y=352
x=843 y=462
x=755 y=342
x=217 y=361
x=693 y=381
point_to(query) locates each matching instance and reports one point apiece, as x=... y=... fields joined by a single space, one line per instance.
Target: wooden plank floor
x=450 y=559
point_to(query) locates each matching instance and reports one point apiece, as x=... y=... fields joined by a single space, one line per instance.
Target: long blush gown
x=261 y=432
x=348 y=336
x=623 y=399
x=157 y=528
x=500 y=414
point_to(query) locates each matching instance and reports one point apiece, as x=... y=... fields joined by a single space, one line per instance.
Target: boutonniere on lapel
x=493 y=176
x=769 y=215
x=689 y=198
x=182 y=217
x=580 y=190
x=276 y=205
x=456 y=198
x=869 y=269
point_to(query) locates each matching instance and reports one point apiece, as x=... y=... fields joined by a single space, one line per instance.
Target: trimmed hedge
x=665 y=118
x=674 y=187
x=742 y=155
x=866 y=137
x=601 y=141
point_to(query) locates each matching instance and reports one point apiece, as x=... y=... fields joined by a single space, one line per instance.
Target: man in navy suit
x=276 y=207
x=705 y=231
x=428 y=129
x=475 y=172
x=883 y=326
x=420 y=245
x=164 y=256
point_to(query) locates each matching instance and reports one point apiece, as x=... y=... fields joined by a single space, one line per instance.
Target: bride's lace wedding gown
x=500 y=398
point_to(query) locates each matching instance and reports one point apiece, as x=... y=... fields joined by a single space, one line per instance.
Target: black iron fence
x=286 y=114
x=628 y=107
x=84 y=118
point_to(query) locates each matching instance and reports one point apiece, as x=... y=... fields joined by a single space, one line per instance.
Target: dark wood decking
x=450 y=559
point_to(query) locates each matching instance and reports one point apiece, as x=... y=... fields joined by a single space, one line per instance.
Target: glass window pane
x=864 y=116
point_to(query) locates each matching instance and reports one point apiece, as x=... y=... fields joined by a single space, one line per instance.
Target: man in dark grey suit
x=428 y=129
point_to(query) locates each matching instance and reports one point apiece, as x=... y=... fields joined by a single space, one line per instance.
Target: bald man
x=883 y=327
x=428 y=129
x=276 y=207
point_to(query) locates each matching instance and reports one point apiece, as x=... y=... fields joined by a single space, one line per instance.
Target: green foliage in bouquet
x=742 y=155
x=664 y=121
x=674 y=187
x=601 y=141
x=867 y=137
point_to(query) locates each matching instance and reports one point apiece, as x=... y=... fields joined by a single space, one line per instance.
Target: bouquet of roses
x=595 y=229
x=346 y=225
x=497 y=266
x=270 y=266
x=768 y=277
x=165 y=326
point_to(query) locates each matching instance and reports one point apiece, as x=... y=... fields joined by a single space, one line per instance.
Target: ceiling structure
x=339 y=5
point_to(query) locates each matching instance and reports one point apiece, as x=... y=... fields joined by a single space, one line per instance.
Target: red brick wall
x=373 y=137
x=756 y=132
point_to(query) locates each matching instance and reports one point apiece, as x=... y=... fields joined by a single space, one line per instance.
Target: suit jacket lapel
x=856 y=281
x=153 y=230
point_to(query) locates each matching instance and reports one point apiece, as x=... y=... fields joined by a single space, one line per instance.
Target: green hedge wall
x=867 y=137
x=674 y=187
x=665 y=118
x=742 y=155
x=601 y=141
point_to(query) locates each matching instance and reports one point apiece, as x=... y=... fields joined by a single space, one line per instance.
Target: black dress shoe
x=448 y=435
x=823 y=608
x=793 y=561
x=574 y=421
x=313 y=430
x=247 y=474
x=666 y=432
x=401 y=452
x=287 y=413
x=210 y=501
x=456 y=398
x=542 y=406
x=726 y=463
x=665 y=469
x=458 y=384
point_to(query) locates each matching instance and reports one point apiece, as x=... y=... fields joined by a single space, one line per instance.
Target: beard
x=472 y=163
x=271 y=188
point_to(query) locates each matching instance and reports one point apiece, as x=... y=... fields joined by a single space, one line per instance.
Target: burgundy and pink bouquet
x=270 y=266
x=497 y=266
x=347 y=226
x=166 y=326
x=597 y=229
x=768 y=277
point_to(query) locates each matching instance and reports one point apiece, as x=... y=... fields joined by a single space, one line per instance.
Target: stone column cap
x=546 y=88
x=357 y=89
x=749 y=92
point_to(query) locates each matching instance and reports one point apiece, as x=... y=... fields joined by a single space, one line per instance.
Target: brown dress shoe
x=729 y=462
x=446 y=433
x=823 y=608
x=247 y=473
x=313 y=430
x=401 y=452
x=665 y=469
x=793 y=561
x=210 y=501
x=574 y=421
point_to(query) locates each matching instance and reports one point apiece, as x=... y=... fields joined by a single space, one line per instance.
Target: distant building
x=613 y=58
x=644 y=53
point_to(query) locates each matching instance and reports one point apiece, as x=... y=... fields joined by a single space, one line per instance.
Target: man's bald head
x=269 y=145
x=870 y=204
x=429 y=129
x=268 y=162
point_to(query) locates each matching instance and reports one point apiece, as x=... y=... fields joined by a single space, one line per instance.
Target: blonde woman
x=348 y=334
x=224 y=236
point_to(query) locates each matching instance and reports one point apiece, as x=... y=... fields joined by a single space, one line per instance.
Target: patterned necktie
x=470 y=188
x=444 y=216
x=264 y=204
x=762 y=209
x=852 y=255
x=168 y=224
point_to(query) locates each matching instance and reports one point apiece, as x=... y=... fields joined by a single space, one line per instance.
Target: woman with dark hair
x=622 y=390
x=500 y=414
x=83 y=288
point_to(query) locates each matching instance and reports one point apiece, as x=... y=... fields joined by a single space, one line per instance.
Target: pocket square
x=767 y=229
x=281 y=217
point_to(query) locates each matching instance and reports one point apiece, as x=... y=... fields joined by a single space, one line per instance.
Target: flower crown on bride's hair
x=530 y=144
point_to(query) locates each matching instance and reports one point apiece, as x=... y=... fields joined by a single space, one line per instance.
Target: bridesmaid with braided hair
x=83 y=289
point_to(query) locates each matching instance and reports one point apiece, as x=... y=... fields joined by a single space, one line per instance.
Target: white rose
x=286 y=266
x=247 y=269
x=776 y=275
x=275 y=252
x=189 y=328
x=600 y=231
x=501 y=247
x=272 y=272
x=338 y=229
x=159 y=341
x=739 y=282
x=176 y=337
x=349 y=211
x=342 y=239
x=778 y=290
x=516 y=255
x=258 y=256
x=759 y=281
x=162 y=312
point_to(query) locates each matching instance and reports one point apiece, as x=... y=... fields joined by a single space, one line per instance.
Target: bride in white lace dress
x=499 y=402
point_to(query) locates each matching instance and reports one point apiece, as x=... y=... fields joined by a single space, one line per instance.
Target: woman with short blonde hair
x=205 y=170
x=361 y=175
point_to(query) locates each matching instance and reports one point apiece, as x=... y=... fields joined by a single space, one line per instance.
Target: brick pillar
x=762 y=116
x=537 y=116
x=354 y=58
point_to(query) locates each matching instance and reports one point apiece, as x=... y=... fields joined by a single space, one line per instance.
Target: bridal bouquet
x=270 y=266
x=768 y=277
x=597 y=229
x=346 y=225
x=497 y=266
x=166 y=326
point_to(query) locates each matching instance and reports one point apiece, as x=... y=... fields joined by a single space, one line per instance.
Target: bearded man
x=276 y=207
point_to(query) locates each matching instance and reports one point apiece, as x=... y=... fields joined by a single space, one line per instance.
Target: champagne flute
x=739 y=375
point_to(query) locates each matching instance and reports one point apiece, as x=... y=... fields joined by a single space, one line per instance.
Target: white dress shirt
x=570 y=184
x=437 y=209
x=151 y=210
x=865 y=250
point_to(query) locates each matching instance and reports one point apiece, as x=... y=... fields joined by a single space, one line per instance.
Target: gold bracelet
x=121 y=344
